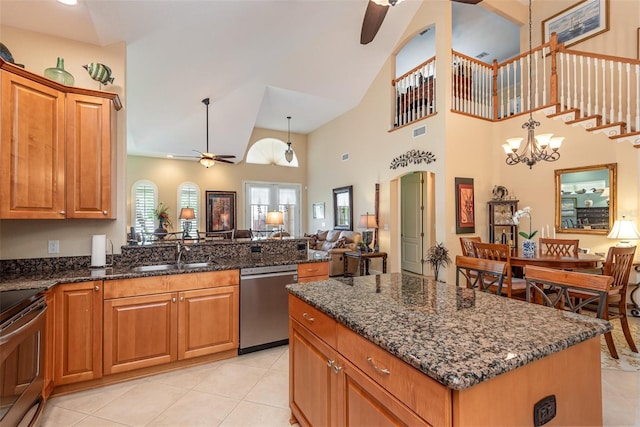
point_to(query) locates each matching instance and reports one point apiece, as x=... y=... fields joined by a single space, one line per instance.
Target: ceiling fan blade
x=217 y=159
x=468 y=1
x=373 y=17
x=225 y=156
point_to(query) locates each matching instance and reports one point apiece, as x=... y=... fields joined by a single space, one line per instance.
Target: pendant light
x=535 y=148
x=288 y=153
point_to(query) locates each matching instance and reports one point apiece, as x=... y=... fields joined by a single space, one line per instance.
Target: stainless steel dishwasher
x=264 y=314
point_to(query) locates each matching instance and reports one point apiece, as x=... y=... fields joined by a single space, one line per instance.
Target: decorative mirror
x=343 y=208
x=586 y=199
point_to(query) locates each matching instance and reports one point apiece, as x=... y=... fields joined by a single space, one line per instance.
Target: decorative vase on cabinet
x=59 y=74
x=160 y=232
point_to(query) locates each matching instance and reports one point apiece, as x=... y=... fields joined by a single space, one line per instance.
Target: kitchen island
x=409 y=350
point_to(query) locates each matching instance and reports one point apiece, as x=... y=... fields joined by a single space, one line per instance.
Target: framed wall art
x=577 y=23
x=221 y=210
x=465 y=206
x=318 y=211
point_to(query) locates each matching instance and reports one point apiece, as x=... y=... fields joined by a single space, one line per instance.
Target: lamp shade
x=187 y=213
x=275 y=218
x=367 y=221
x=625 y=230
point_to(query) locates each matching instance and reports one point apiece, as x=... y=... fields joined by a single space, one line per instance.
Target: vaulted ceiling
x=258 y=60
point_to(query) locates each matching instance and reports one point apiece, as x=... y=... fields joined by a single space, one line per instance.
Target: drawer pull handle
x=330 y=363
x=173 y=299
x=181 y=299
x=307 y=318
x=96 y=288
x=381 y=370
x=337 y=368
x=105 y=213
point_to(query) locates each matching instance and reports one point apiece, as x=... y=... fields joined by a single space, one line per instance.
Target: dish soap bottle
x=59 y=74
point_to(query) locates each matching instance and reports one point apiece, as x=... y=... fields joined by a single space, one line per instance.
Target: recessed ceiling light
x=68 y=2
x=170 y=156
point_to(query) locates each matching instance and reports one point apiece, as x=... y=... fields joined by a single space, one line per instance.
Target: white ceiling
x=258 y=60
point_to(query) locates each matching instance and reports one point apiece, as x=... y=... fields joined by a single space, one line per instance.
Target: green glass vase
x=59 y=74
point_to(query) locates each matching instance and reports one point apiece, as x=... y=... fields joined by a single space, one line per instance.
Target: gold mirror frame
x=568 y=202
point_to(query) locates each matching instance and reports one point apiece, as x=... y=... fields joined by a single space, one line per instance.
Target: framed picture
x=465 y=207
x=577 y=23
x=318 y=211
x=221 y=210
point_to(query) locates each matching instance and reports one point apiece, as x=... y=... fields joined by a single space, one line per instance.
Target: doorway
x=417 y=221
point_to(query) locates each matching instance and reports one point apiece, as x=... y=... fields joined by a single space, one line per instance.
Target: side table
x=363 y=260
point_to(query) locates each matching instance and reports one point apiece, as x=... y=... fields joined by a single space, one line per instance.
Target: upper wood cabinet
x=57 y=149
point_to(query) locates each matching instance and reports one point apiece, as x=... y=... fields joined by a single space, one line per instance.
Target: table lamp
x=275 y=218
x=187 y=214
x=367 y=221
x=624 y=230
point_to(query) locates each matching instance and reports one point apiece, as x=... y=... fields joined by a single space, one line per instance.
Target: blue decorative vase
x=529 y=248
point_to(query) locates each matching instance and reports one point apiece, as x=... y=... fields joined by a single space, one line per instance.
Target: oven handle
x=40 y=310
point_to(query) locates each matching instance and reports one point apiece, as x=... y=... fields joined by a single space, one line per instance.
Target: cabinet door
x=32 y=152
x=207 y=321
x=78 y=332
x=313 y=384
x=365 y=403
x=50 y=328
x=140 y=332
x=90 y=151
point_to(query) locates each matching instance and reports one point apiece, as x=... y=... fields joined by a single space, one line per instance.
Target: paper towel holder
x=106 y=265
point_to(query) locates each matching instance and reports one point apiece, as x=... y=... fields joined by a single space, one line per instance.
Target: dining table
x=563 y=262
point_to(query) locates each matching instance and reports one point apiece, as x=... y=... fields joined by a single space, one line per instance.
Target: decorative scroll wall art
x=465 y=206
x=412 y=156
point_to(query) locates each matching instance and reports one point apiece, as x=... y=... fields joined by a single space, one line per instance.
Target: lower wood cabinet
x=313 y=272
x=161 y=327
x=78 y=332
x=50 y=328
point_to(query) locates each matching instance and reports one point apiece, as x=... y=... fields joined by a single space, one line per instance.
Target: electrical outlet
x=54 y=246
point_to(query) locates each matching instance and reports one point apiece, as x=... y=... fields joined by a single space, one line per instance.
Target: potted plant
x=438 y=256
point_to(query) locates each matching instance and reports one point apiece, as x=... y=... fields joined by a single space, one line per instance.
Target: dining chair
x=467 y=245
x=513 y=286
x=618 y=265
x=554 y=288
x=561 y=247
x=485 y=275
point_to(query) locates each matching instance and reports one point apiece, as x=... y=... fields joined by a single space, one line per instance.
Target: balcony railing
x=602 y=87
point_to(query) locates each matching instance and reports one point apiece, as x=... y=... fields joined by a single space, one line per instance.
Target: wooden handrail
x=413 y=70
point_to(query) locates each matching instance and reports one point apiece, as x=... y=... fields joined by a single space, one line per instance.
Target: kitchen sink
x=165 y=267
x=161 y=267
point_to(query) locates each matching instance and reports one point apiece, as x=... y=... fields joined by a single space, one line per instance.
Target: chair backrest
x=618 y=265
x=467 y=244
x=561 y=247
x=481 y=274
x=593 y=288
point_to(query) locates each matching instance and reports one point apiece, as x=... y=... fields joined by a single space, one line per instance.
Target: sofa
x=332 y=244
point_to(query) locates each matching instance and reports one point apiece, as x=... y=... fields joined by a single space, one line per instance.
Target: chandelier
x=543 y=147
x=288 y=153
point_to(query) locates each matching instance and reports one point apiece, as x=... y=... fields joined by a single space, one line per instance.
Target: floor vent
x=345 y=157
x=422 y=130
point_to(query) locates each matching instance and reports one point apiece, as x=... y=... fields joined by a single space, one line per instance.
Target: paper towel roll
x=99 y=250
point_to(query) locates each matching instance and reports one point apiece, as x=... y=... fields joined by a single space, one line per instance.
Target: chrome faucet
x=180 y=249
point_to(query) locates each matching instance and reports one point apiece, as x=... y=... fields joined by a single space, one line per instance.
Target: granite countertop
x=46 y=279
x=457 y=336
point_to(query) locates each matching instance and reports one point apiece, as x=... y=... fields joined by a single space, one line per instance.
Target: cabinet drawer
x=425 y=396
x=313 y=269
x=313 y=319
x=170 y=283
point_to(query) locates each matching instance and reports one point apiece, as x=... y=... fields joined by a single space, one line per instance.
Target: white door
x=411 y=220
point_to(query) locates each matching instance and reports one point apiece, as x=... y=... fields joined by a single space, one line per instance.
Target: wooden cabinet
x=313 y=272
x=58 y=149
x=78 y=332
x=50 y=328
x=328 y=388
x=155 y=320
x=501 y=226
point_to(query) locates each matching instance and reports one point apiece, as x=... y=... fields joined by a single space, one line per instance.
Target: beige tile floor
x=250 y=390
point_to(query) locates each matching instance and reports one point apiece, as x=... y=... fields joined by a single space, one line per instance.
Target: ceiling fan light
x=207 y=162
x=386 y=2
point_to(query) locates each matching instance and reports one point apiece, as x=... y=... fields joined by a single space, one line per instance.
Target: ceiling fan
x=207 y=159
x=375 y=13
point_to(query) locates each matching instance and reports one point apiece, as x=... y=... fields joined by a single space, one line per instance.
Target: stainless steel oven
x=22 y=329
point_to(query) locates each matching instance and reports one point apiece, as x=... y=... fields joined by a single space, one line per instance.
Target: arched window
x=144 y=199
x=270 y=151
x=189 y=197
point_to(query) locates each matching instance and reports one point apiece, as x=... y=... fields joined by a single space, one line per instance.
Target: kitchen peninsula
x=413 y=351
